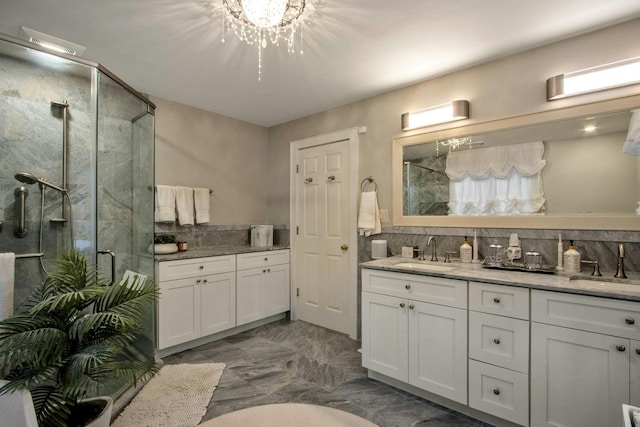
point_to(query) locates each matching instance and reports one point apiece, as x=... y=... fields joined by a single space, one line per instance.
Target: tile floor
x=302 y=363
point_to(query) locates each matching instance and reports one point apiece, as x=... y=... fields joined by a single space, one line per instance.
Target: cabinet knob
x=637 y=350
x=204 y=280
x=198 y=281
x=401 y=305
x=629 y=321
x=411 y=307
x=407 y=286
x=496 y=340
x=268 y=270
x=620 y=347
x=496 y=391
x=266 y=259
x=202 y=267
x=264 y=271
x=496 y=300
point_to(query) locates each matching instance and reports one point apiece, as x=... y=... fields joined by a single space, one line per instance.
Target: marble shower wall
x=593 y=244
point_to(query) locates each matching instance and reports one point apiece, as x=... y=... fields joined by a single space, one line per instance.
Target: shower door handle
x=113 y=263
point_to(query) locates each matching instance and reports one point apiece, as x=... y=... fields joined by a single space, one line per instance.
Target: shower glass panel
x=110 y=169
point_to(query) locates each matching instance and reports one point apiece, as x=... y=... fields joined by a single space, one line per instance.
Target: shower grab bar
x=33 y=255
x=21 y=230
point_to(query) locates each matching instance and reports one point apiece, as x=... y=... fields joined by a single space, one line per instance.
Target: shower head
x=30 y=179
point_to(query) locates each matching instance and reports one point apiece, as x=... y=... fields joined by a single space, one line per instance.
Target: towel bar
x=34 y=255
x=153 y=187
x=366 y=181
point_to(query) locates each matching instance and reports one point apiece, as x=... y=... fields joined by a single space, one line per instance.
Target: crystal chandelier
x=262 y=21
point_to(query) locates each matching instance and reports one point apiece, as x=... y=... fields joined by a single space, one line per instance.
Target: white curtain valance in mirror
x=593 y=184
x=500 y=180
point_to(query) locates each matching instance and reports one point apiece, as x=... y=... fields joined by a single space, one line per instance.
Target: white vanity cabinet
x=263 y=287
x=197 y=298
x=584 y=364
x=499 y=351
x=414 y=329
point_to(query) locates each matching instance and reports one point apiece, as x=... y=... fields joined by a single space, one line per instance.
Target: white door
x=323 y=234
x=248 y=295
x=217 y=303
x=178 y=312
x=275 y=290
x=578 y=378
x=438 y=349
x=634 y=374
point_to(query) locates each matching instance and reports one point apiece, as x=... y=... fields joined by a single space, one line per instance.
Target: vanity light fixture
x=454 y=110
x=607 y=76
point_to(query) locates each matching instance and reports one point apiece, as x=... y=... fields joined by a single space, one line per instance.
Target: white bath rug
x=176 y=397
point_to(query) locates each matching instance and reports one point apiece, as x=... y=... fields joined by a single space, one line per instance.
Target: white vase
x=163 y=248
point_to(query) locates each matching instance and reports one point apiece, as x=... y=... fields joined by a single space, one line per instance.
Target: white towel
x=184 y=205
x=632 y=144
x=7 y=277
x=201 y=202
x=165 y=203
x=369 y=218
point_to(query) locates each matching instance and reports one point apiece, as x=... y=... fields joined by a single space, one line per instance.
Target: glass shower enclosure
x=68 y=126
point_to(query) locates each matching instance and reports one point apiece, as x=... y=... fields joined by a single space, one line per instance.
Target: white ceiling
x=353 y=49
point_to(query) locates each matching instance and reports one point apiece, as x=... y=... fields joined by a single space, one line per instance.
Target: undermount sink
x=426 y=267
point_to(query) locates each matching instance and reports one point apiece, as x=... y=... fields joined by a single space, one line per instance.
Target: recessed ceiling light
x=590 y=128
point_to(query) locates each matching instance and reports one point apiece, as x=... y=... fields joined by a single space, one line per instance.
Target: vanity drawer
x=262 y=259
x=500 y=392
x=501 y=341
x=502 y=300
x=437 y=290
x=180 y=269
x=595 y=314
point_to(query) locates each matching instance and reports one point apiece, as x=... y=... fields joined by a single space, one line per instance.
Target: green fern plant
x=67 y=340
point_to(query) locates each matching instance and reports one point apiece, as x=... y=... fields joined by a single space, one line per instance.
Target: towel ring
x=368 y=180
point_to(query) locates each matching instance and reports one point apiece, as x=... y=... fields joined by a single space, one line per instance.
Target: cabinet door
x=275 y=290
x=248 y=295
x=635 y=373
x=218 y=303
x=438 y=349
x=385 y=335
x=178 y=312
x=578 y=378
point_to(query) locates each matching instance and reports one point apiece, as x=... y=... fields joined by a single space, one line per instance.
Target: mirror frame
x=561 y=221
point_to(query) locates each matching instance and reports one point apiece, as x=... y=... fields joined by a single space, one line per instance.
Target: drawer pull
x=496 y=391
x=630 y=321
x=620 y=347
x=496 y=300
x=266 y=259
x=407 y=286
x=411 y=307
x=401 y=305
x=496 y=340
x=202 y=267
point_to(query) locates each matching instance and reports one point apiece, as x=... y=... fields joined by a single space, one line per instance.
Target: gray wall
x=196 y=148
x=509 y=86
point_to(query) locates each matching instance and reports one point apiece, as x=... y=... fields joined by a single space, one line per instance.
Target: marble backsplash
x=593 y=244
x=207 y=235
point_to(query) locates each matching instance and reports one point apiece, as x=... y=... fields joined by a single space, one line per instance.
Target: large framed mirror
x=567 y=167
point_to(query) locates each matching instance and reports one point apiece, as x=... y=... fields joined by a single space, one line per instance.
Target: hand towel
x=201 y=202
x=369 y=217
x=632 y=143
x=184 y=205
x=7 y=269
x=165 y=203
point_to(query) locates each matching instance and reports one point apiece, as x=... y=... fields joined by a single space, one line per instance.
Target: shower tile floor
x=296 y=362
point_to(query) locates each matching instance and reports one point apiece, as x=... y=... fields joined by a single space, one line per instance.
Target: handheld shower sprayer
x=30 y=179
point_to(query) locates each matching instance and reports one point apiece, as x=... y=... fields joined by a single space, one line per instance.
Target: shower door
x=124 y=196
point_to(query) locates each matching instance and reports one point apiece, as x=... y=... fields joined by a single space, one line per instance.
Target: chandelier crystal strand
x=262 y=21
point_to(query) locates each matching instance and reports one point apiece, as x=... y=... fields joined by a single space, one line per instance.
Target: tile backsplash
x=207 y=235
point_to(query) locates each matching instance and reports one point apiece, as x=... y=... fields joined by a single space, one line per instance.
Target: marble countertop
x=605 y=286
x=217 y=251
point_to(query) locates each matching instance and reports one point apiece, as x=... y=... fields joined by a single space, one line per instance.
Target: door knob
x=344 y=247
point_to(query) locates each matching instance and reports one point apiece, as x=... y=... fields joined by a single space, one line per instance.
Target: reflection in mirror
x=582 y=170
x=586 y=181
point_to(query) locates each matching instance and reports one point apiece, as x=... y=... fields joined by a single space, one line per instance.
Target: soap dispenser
x=466 y=251
x=571 y=259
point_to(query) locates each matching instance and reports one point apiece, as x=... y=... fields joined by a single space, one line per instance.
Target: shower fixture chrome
x=30 y=179
x=21 y=230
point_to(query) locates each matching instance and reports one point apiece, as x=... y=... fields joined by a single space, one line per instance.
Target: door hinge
x=297 y=168
x=297 y=292
x=297 y=230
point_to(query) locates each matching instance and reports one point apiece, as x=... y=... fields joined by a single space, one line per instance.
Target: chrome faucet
x=434 y=256
x=620 y=273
